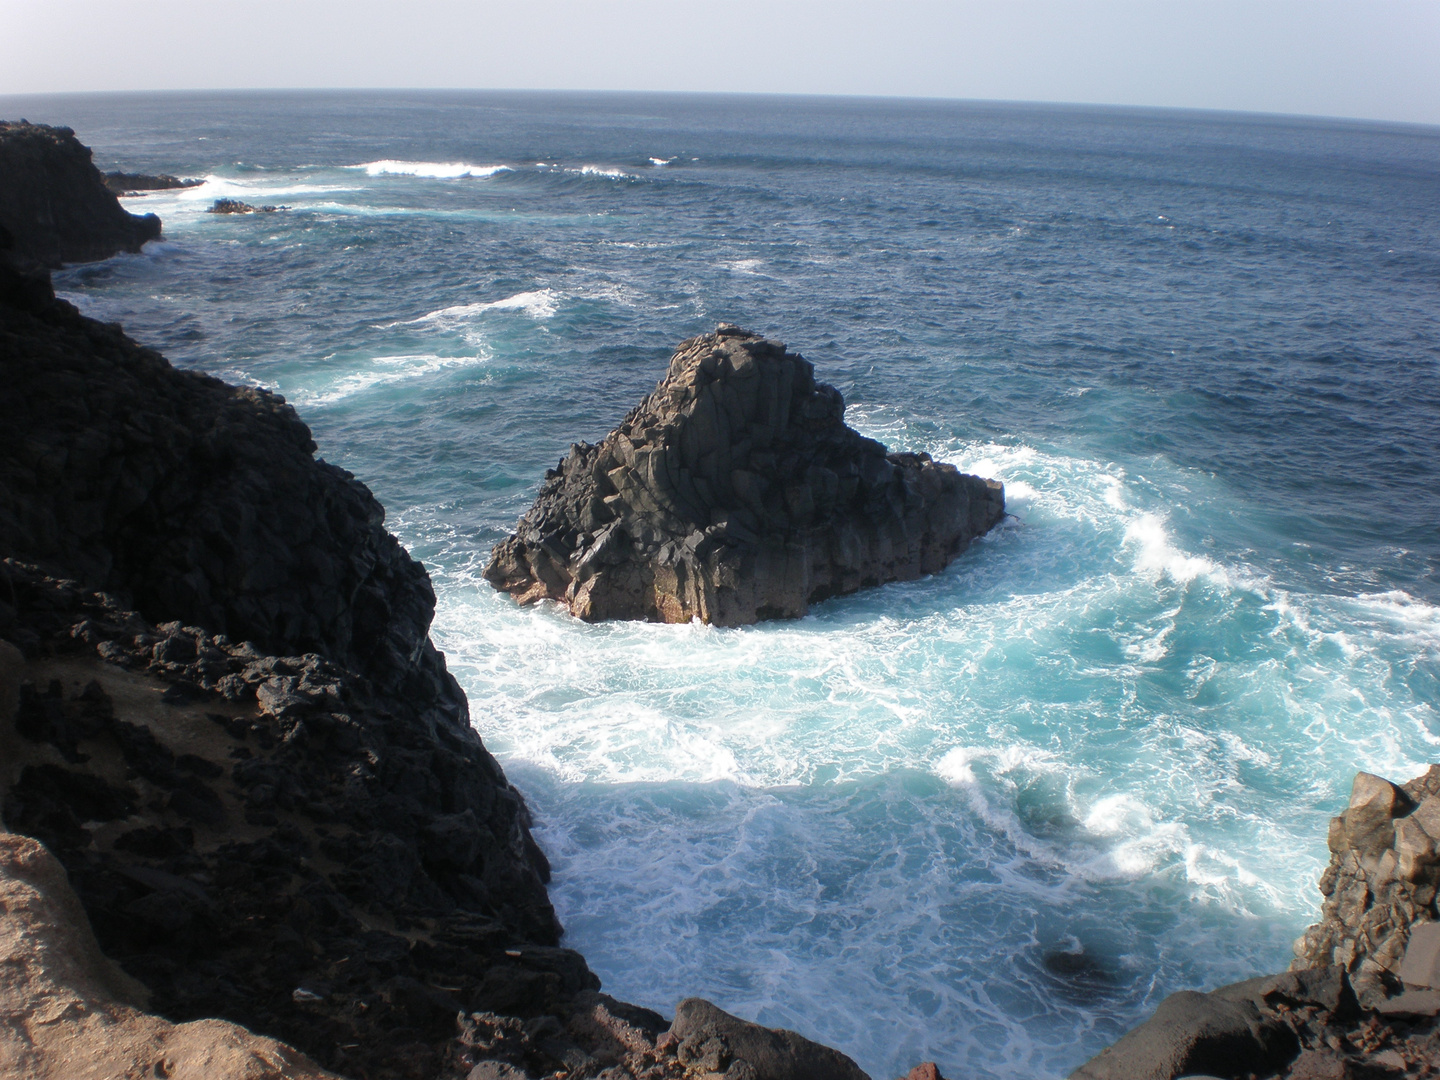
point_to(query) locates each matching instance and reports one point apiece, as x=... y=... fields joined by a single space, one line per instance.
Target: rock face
x=1363 y=996
x=711 y=1040
x=273 y=840
x=733 y=493
x=295 y=827
x=199 y=501
x=1382 y=879
x=71 y=1014
x=54 y=201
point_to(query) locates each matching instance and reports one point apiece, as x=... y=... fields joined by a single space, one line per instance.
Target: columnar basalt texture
x=55 y=202
x=733 y=493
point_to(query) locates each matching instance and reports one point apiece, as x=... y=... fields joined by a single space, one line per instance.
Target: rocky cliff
x=295 y=796
x=56 y=203
x=1362 y=999
x=735 y=492
x=220 y=710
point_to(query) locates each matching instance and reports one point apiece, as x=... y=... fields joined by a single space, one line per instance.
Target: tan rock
x=68 y=1013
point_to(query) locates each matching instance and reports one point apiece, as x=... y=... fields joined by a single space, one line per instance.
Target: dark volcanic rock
x=202 y=502
x=735 y=492
x=235 y=206
x=292 y=876
x=123 y=183
x=54 y=201
x=1223 y=1033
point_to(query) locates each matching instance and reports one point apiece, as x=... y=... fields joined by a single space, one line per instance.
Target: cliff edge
x=735 y=492
x=56 y=204
x=221 y=712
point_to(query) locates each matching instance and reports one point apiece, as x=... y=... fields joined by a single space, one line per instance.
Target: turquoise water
x=988 y=818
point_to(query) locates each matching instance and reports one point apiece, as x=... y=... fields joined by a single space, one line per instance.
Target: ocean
x=989 y=818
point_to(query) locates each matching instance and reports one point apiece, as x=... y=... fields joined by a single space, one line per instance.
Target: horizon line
x=757 y=94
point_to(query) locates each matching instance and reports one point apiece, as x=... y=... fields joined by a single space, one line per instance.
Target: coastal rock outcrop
x=1361 y=1000
x=203 y=502
x=235 y=206
x=55 y=203
x=735 y=492
x=1383 y=875
x=123 y=183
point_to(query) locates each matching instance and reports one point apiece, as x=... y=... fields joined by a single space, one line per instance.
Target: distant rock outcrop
x=123 y=183
x=235 y=206
x=54 y=201
x=733 y=493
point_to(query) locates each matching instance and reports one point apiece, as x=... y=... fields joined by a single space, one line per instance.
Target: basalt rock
x=123 y=183
x=1362 y=999
x=235 y=206
x=54 y=201
x=198 y=501
x=733 y=493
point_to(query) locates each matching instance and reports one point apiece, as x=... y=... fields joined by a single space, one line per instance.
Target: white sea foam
x=537 y=303
x=608 y=171
x=380 y=371
x=1108 y=722
x=659 y=162
x=437 y=170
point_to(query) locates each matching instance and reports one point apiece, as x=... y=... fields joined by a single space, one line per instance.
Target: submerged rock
x=54 y=201
x=733 y=493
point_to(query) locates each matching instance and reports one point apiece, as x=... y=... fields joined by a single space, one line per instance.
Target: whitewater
x=991 y=817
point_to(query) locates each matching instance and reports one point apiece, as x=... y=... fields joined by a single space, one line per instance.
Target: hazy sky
x=1378 y=59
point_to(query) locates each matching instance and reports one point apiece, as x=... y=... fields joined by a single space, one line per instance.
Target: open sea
x=988 y=818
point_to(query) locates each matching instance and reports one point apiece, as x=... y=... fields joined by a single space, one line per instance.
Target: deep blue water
x=1201 y=350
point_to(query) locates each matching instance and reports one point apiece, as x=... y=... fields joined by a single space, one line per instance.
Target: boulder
x=710 y=1039
x=1223 y=1033
x=733 y=493
x=54 y=202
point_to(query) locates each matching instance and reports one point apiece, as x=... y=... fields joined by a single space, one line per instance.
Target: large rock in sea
x=54 y=201
x=733 y=493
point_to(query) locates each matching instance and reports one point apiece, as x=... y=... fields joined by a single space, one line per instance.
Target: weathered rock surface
x=235 y=206
x=68 y=1013
x=711 y=1040
x=273 y=840
x=123 y=183
x=54 y=201
x=1382 y=879
x=203 y=502
x=735 y=492
x=1361 y=1000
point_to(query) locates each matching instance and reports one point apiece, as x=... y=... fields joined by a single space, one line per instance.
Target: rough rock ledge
x=735 y=492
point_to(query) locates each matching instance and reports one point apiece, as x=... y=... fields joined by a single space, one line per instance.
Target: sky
x=1370 y=59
